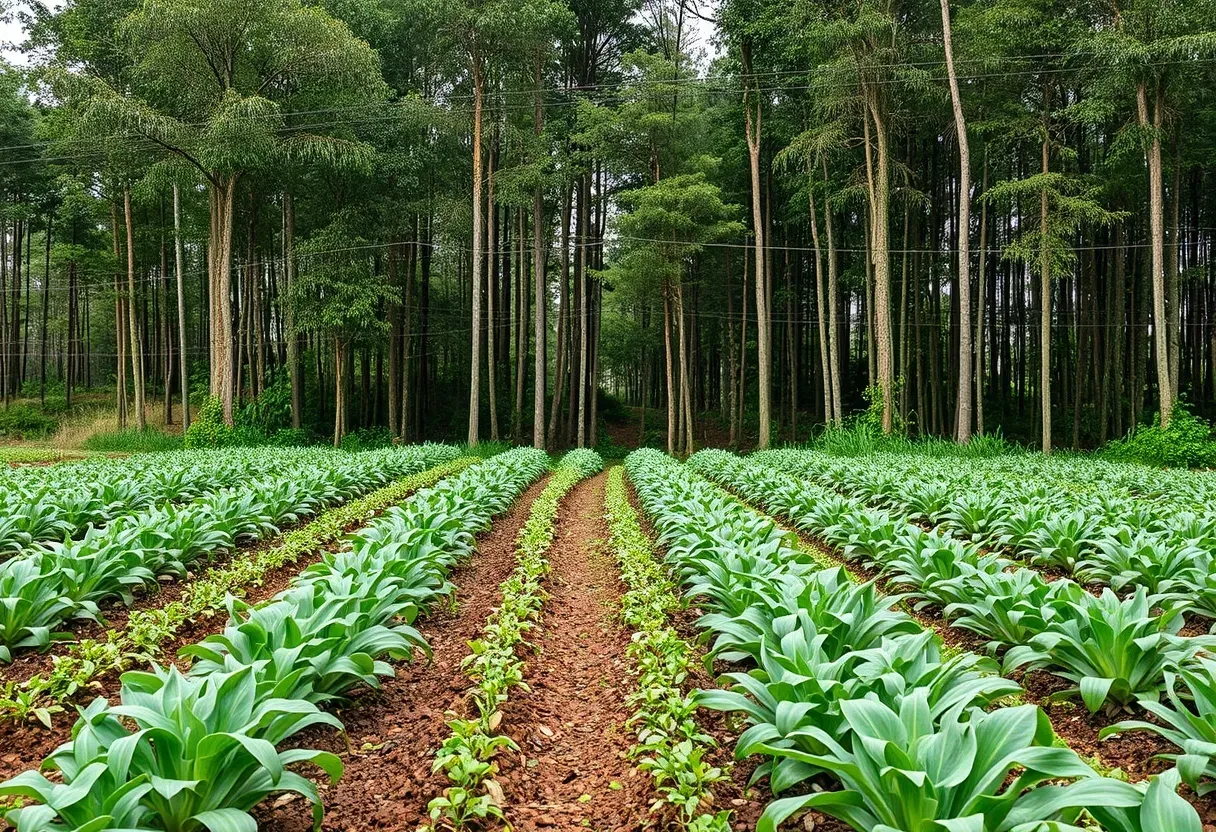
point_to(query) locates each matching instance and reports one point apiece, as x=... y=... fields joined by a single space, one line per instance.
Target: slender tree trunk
x=137 y=359
x=491 y=310
x=46 y=308
x=1157 y=234
x=540 y=282
x=743 y=353
x=833 y=301
x=559 y=375
x=179 y=258
x=474 y=434
x=1045 y=303
x=962 y=429
x=753 y=114
x=222 y=194
x=671 y=387
x=981 y=304
x=881 y=260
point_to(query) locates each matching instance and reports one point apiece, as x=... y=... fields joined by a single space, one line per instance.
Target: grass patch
x=132 y=440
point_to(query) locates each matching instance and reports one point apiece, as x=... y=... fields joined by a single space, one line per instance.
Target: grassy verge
x=42 y=696
x=669 y=745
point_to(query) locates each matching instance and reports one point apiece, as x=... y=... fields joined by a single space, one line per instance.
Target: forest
x=564 y=222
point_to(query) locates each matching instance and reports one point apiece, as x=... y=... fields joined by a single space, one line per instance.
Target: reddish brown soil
x=573 y=771
x=393 y=733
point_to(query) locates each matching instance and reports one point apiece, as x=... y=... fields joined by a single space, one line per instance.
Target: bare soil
x=394 y=732
x=573 y=771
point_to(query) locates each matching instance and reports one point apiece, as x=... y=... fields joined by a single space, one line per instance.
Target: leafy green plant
x=1116 y=651
x=1186 y=443
x=988 y=771
x=202 y=754
x=1187 y=719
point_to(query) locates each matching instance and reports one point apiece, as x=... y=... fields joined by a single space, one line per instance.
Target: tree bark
x=753 y=118
x=179 y=260
x=137 y=358
x=474 y=434
x=222 y=194
x=1157 y=234
x=963 y=415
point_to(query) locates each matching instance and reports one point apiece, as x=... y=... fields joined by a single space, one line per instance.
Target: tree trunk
x=833 y=301
x=474 y=434
x=222 y=193
x=671 y=387
x=752 y=109
x=179 y=259
x=1157 y=233
x=1045 y=313
x=880 y=254
x=962 y=430
x=981 y=303
x=137 y=358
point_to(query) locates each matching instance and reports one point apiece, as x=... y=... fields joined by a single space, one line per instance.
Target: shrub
x=365 y=439
x=1185 y=443
x=133 y=440
x=24 y=422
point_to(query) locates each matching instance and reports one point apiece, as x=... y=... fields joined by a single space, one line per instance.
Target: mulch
x=393 y=733
x=573 y=770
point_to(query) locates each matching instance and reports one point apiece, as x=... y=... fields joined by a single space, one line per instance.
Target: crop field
x=420 y=637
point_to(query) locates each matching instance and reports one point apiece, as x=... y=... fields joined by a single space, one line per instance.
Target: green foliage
x=364 y=439
x=133 y=440
x=1186 y=442
x=670 y=744
x=23 y=421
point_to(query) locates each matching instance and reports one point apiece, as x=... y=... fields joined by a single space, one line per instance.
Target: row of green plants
x=1116 y=650
x=181 y=752
x=495 y=665
x=22 y=455
x=43 y=695
x=68 y=580
x=47 y=504
x=1116 y=528
x=855 y=710
x=671 y=746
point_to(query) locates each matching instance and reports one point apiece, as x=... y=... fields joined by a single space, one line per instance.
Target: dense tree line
x=451 y=218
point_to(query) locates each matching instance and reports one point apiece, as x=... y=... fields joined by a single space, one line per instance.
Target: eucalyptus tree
x=1148 y=51
x=666 y=225
x=213 y=82
x=337 y=293
x=867 y=67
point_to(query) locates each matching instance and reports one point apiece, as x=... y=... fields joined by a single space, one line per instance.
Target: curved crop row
x=494 y=666
x=846 y=691
x=147 y=630
x=1113 y=650
x=69 y=580
x=1111 y=530
x=181 y=752
x=1116 y=651
x=53 y=503
x=670 y=745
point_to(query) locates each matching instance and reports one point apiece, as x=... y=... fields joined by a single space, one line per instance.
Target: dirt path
x=572 y=772
x=394 y=732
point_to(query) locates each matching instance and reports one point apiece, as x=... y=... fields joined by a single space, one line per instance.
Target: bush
x=133 y=440
x=1185 y=443
x=365 y=439
x=24 y=422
